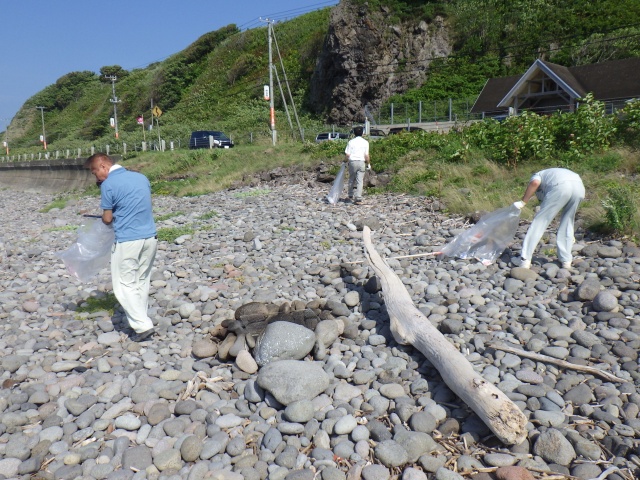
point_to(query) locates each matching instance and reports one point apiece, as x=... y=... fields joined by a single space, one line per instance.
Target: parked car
x=375 y=133
x=396 y=130
x=323 y=137
x=200 y=139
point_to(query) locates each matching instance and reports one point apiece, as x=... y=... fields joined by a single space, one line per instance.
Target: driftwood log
x=410 y=326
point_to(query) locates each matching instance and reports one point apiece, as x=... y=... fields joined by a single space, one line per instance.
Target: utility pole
x=114 y=100
x=44 y=135
x=272 y=112
x=293 y=104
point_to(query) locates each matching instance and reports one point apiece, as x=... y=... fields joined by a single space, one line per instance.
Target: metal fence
x=449 y=110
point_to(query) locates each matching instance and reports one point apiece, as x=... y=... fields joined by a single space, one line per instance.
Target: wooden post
x=410 y=326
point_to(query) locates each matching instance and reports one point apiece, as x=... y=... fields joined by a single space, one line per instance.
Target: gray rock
x=588 y=290
x=375 y=472
x=138 y=457
x=299 y=412
x=605 y=301
x=553 y=447
x=283 y=341
x=446 y=474
x=191 y=448
x=168 y=460
x=204 y=349
x=291 y=380
x=391 y=454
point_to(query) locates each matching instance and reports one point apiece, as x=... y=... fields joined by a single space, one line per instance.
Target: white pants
x=356 y=178
x=565 y=197
x=131 y=264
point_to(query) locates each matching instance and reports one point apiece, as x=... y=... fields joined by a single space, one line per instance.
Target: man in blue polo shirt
x=125 y=198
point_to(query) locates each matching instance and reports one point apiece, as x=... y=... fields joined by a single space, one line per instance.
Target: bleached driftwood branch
x=561 y=363
x=410 y=326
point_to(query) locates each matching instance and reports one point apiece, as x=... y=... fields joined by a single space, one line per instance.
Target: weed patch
x=105 y=302
x=170 y=234
x=57 y=203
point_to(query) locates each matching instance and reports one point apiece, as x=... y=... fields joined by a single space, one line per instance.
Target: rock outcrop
x=365 y=60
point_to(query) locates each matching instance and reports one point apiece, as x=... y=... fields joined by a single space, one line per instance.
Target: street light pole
x=44 y=135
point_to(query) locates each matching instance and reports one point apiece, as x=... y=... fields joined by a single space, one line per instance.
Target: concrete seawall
x=47 y=176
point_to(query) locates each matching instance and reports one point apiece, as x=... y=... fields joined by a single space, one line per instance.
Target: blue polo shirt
x=128 y=195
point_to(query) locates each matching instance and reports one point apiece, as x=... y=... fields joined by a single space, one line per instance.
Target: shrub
x=619 y=209
x=629 y=123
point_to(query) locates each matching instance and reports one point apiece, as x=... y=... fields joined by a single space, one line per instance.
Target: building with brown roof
x=548 y=87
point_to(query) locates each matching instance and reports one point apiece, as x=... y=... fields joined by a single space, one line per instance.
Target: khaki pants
x=131 y=264
x=356 y=179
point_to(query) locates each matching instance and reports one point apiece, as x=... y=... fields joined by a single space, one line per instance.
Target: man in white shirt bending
x=357 y=154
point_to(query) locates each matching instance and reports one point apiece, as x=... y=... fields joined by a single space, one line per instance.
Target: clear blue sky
x=42 y=40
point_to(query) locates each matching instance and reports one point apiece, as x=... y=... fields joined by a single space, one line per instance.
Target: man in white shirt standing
x=357 y=154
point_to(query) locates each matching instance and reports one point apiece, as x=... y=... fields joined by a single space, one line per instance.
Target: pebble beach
x=274 y=357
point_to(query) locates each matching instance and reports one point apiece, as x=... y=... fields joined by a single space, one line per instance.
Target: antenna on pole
x=272 y=113
x=114 y=100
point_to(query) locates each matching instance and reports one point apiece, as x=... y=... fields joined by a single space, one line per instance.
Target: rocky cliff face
x=365 y=60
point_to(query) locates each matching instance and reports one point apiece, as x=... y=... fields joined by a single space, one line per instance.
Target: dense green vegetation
x=495 y=38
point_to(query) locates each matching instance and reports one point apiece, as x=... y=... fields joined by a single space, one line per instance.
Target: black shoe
x=142 y=336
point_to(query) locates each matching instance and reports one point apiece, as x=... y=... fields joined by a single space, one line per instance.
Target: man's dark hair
x=358 y=131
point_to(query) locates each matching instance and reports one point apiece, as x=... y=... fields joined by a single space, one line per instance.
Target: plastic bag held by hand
x=336 y=188
x=488 y=238
x=91 y=252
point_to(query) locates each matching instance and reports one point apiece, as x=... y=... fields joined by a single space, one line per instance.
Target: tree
x=112 y=70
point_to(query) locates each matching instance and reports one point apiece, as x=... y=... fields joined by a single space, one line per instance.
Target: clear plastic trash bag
x=91 y=252
x=337 y=187
x=488 y=238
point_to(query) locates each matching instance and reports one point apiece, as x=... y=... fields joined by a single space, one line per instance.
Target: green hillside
x=216 y=83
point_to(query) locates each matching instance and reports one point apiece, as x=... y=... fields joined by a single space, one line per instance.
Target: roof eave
x=538 y=64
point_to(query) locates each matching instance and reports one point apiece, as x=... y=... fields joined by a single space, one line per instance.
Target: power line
x=257 y=23
x=288 y=13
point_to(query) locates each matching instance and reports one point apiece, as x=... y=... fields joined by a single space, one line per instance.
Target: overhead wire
x=256 y=22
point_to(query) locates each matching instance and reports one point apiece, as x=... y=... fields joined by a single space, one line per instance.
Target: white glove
x=368 y=166
x=519 y=204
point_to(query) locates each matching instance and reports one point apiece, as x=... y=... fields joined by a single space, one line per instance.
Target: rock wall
x=365 y=60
